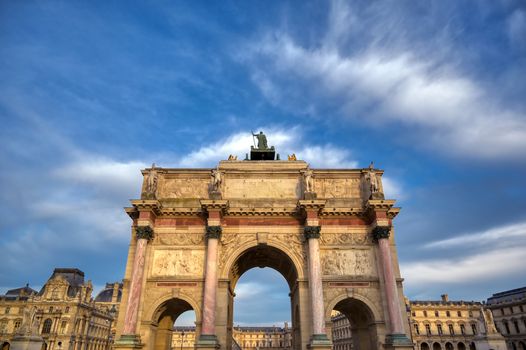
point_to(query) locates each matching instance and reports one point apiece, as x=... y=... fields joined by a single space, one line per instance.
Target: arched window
x=472 y=346
x=424 y=346
x=449 y=346
x=461 y=346
x=46 y=328
x=436 y=346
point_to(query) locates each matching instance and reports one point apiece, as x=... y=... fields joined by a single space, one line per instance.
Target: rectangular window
x=436 y=314
x=451 y=330
x=516 y=324
x=502 y=312
x=67 y=309
x=448 y=314
x=439 y=327
x=459 y=313
x=507 y=327
x=474 y=328
x=7 y=309
x=17 y=324
x=428 y=329
x=425 y=313
x=462 y=329
x=417 y=329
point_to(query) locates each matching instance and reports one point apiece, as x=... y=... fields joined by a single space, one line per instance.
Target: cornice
x=345 y=211
x=380 y=204
x=312 y=204
x=262 y=211
x=152 y=205
x=189 y=211
x=214 y=204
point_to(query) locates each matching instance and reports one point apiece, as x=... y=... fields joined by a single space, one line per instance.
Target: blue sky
x=432 y=91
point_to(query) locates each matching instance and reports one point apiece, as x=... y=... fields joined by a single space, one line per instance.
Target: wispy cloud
x=429 y=97
x=492 y=236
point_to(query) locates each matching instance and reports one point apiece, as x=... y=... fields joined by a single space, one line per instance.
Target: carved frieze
x=345 y=239
x=180 y=239
x=262 y=188
x=178 y=263
x=183 y=188
x=338 y=188
x=348 y=262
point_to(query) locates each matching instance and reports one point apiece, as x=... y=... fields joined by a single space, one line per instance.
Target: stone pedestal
x=310 y=195
x=490 y=342
x=207 y=342
x=128 y=341
x=398 y=342
x=320 y=342
x=27 y=342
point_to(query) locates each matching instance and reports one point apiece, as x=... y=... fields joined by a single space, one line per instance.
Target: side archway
x=362 y=320
x=163 y=319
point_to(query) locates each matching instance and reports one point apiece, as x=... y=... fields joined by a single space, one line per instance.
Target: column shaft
x=315 y=286
x=209 y=297
x=132 y=308
x=391 y=290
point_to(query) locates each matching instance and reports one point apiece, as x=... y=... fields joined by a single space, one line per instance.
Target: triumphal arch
x=329 y=232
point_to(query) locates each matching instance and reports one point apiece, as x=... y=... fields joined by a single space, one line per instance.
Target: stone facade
x=63 y=313
x=509 y=312
x=451 y=325
x=245 y=338
x=341 y=332
x=334 y=244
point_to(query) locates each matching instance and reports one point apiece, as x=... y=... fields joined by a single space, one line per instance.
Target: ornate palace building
x=341 y=332
x=509 y=313
x=245 y=338
x=62 y=314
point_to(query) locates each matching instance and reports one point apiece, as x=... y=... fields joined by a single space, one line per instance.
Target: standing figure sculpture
x=374 y=186
x=215 y=180
x=308 y=180
x=262 y=140
x=151 y=183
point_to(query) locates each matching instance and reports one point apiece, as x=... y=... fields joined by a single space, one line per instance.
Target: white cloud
x=517 y=28
x=392 y=188
x=454 y=112
x=469 y=269
x=286 y=141
x=484 y=238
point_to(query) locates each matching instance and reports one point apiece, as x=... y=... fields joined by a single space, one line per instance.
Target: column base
x=128 y=341
x=207 y=342
x=27 y=342
x=398 y=342
x=320 y=342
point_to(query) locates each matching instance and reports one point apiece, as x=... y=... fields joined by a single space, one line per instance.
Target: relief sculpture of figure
x=216 y=180
x=262 y=140
x=151 y=182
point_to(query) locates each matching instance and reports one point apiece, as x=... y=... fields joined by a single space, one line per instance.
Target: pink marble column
x=132 y=308
x=391 y=290
x=210 y=290
x=315 y=286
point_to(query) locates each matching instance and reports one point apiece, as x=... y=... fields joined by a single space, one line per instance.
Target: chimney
x=445 y=297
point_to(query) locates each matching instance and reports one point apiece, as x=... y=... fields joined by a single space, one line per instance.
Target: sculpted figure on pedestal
x=215 y=180
x=151 y=183
x=262 y=140
x=308 y=180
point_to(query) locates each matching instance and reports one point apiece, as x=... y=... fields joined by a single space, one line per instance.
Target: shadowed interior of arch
x=264 y=256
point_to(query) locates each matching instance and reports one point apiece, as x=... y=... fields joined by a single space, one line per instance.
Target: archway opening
x=183 y=335
x=353 y=325
x=461 y=346
x=261 y=298
x=437 y=346
x=166 y=319
x=424 y=346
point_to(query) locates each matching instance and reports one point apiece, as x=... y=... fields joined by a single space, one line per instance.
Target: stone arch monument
x=329 y=233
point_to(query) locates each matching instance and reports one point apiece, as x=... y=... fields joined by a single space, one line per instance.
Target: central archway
x=265 y=256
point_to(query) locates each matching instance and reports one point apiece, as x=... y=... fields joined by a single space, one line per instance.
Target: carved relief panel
x=175 y=263
x=183 y=188
x=338 y=188
x=356 y=262
x=262 y=188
